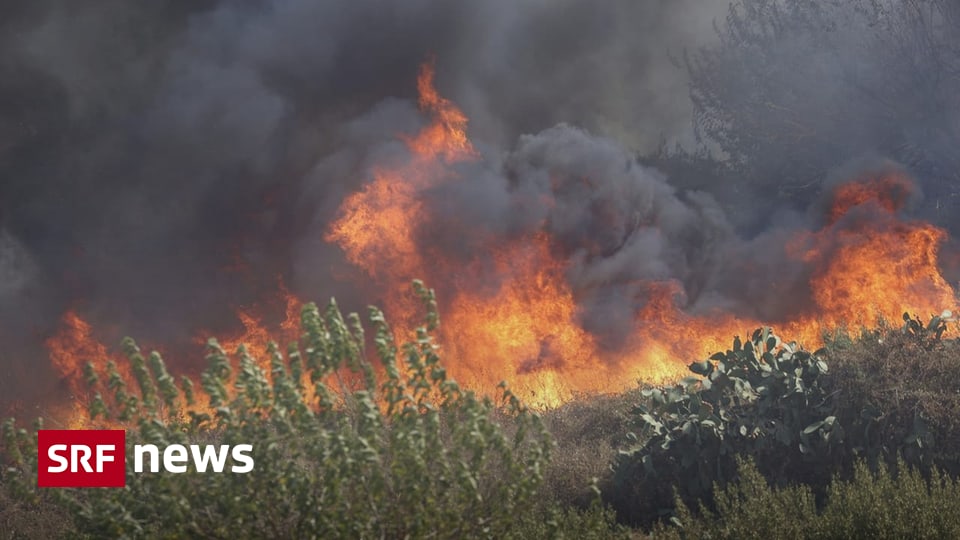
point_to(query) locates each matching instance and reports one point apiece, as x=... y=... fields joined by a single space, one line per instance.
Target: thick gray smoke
x=162 y=163
x=620 y=224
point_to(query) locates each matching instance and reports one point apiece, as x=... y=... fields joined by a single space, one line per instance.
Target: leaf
x=812 y=428
x=701 y=368
x=695 y=403
x=651 y=421
x=869 y=412
x=647 y=463
x=706 y=410
x=771 y=360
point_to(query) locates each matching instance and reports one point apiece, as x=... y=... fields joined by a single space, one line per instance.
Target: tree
x=796 y=88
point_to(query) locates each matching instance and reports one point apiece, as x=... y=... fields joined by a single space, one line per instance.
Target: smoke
x=620 y=224
x=795 y=90
x=163 y=163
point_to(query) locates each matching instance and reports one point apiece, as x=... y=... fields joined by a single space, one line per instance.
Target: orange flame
x=524 y=328
x=510 y=314
x=446 y=136
x=70 y=349
x=889 y=191
x=74 y=345
x=257 y=336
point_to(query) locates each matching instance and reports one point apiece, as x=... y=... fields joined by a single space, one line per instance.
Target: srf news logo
x=98 y=458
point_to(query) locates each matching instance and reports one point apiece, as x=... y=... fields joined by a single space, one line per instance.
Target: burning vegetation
x=624 y=243
x=607 y=299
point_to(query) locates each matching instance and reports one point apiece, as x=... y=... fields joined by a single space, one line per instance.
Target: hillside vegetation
x=763 y=437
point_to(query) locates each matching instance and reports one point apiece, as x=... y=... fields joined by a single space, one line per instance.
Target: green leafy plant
x=899 y=400
x=763 y=397
x=888 y=397
x=343 y=448
x=893 y=502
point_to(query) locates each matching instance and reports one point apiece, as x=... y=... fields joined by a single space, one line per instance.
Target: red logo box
x=81 y=458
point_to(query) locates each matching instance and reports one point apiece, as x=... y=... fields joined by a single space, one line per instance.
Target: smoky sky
x=164 y=162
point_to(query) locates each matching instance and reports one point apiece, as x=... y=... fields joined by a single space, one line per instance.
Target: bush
x=555 y=522
x=794 y=89
x=890 y=394
x=762 y=398
x=877 y=505
x=898 y=394
x=412 y=455
x=345 y=447
x=588 y=432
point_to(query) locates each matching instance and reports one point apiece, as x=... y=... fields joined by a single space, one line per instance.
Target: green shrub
x=890 y=394
x=762 y=398
x=394 y=448
x=391 y=450
x=569 y=522
x=871 y=505
x=897 y=394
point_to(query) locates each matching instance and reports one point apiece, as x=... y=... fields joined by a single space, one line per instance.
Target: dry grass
x=23 y=520
x=894 y=372
x=588 y=432
x=901 y=375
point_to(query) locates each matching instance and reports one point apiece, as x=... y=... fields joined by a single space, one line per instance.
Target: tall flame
x=70 y=349
x=74 y=345
x=256 y=336
x=524 y=329
x=509 y=313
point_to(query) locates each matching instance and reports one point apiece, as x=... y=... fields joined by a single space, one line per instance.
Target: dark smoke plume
x=164 y=162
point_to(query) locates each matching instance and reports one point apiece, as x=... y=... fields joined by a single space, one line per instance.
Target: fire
x=377 y=229
x=509 y=312
x=446 y=136
x=70 y=350
x=868 y=275
x=256 y=336
x=524 y=328
x=890 y=191
x=74 y=345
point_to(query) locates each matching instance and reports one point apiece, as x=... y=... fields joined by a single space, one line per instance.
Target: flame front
x=75 y=345
x=524 y=327
x=70 y=349
x=510 y=313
